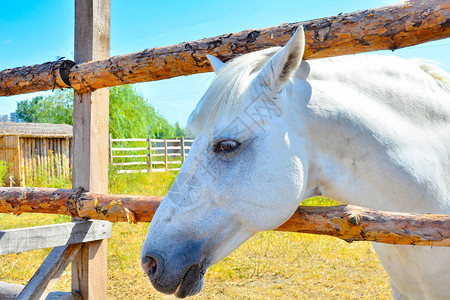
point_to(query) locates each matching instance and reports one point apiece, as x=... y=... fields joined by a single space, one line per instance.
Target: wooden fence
x=138 y=155
x=390 y=27
x=67 y=239
x=348 y=222
x=32 y=157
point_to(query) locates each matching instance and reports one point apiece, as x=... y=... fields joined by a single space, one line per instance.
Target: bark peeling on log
x=350 y=223
x=390 y=27
x=49 y=75
x=116 y=208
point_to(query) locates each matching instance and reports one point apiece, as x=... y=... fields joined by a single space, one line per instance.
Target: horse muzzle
x=182 y=274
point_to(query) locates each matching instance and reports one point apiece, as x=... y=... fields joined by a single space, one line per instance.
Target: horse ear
x=216 y=63
x=284 y=64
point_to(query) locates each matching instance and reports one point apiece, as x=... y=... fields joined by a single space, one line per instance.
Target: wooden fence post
x=165 y=154
x=90 y=138
x=150 y=162
x=111 y=158
x=182 y=149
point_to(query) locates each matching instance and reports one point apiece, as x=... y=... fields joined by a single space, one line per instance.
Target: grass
x=3 y=170
x=270 y=265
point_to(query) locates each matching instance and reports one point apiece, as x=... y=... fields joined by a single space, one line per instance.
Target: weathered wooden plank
x=89 y=275
x=129 y=149
x=25 y=154
x=59 y=158
x=130 y=156
x=173 y=141
x=33 y=158
x=39 y=237
x=391 y=27
x=150 y=154
x=183 y=151
x=111 y=157
x=129 y=140
x=90 y=139
x=350 y=223
x=64 y=296
x=131 y=163
x=51 y=269
x=10 y=291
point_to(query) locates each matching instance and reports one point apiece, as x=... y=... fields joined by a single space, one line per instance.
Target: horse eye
x=226 y=146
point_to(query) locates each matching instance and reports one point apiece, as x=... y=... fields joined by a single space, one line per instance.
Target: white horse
x=273 y=130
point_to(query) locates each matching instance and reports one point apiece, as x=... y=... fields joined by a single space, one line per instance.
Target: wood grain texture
x=90 y=140
x=349 y=223
x=89 y=275
x=46 y=76
x=49 y=236
x=51 y=269
x=389 y=27
x=10 y=291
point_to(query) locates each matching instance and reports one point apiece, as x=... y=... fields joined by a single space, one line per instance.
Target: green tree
x=130 y=115
x=56 y=108
x=179 y=131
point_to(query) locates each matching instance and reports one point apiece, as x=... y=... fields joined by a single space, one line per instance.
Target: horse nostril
x=149 y=265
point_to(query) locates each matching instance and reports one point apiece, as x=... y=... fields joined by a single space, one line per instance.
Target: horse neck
x=361 y=150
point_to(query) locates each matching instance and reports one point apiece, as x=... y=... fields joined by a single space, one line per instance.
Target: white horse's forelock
x=225 y=93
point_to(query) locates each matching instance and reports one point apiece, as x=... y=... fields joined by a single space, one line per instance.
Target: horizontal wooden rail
x=130 y=156
x=49 y=236
x=130 y=149
x=390 y=27
x=151 y=152
x=349 y=223
x=43 y=77
x=129 y=140
x=131 y=163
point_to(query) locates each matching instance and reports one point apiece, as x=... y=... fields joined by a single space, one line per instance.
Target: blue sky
x=33 y=32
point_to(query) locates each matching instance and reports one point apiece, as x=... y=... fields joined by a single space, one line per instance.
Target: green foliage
x=3 y=171
x=56 y=108
x=130 y=115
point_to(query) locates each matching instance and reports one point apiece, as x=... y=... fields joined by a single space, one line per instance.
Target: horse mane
x=225 y=93
x=441 y=76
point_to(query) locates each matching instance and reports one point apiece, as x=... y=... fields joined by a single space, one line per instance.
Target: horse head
x=245 y=173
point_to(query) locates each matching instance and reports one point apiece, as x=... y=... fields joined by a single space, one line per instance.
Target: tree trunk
x=350 y=223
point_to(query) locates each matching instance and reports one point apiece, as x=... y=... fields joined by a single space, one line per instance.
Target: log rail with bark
x=350 y=223
x=391 y=27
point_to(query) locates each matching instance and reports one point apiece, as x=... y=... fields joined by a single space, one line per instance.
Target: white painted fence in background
x=140 y=155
